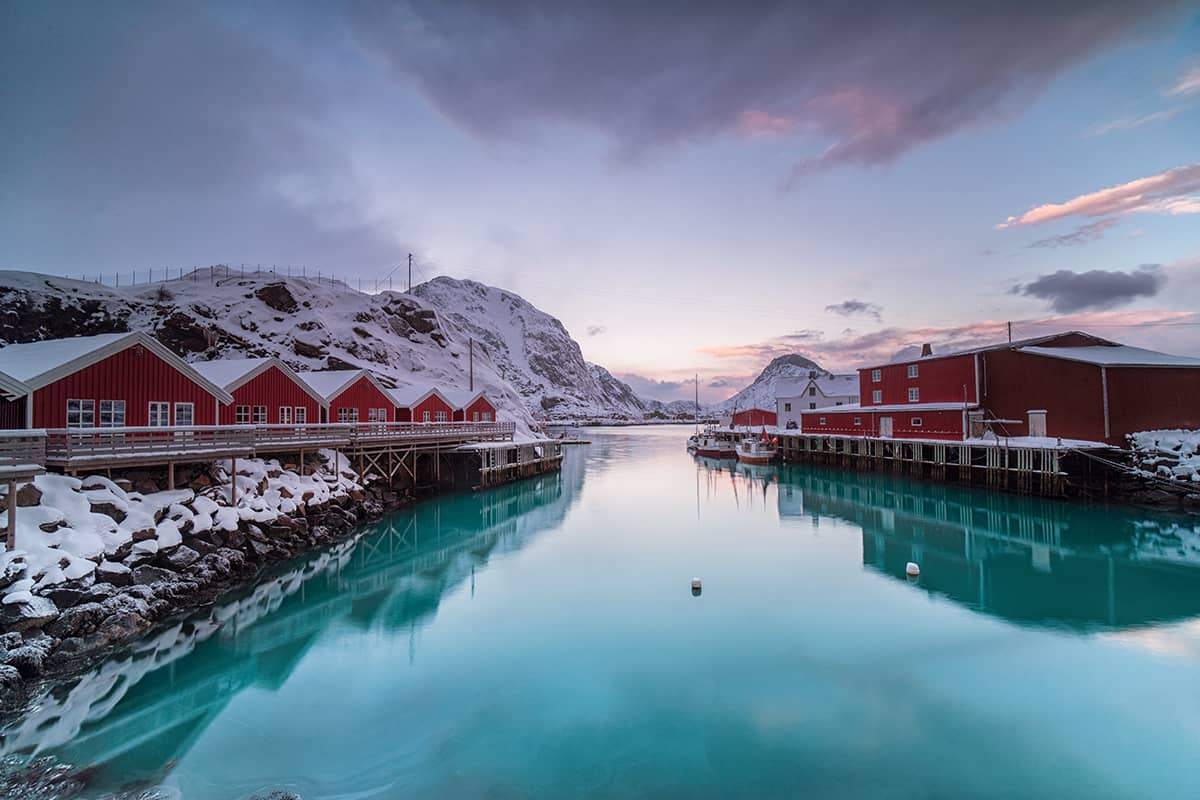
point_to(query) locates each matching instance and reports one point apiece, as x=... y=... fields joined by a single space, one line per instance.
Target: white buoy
x=696 y=583
x=911 y=569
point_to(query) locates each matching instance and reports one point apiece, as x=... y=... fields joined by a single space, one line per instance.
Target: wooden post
x=233 y=482
x=301 y=463
x=10 y=541
x=171 y=475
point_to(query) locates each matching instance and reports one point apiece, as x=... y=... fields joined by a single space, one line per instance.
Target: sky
x=692 y=188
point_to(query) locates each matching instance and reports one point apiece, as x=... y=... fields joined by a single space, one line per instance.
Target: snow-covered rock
x=761 y=393
x=1172 y=454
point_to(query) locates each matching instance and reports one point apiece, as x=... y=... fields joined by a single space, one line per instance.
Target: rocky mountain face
x=532 y=351
x=761 y=393
x=522 y=356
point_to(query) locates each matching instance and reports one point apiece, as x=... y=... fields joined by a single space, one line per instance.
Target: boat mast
x=697 y=402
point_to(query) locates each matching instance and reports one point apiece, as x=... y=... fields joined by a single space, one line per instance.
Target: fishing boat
x=757 y=449
x=713 y=446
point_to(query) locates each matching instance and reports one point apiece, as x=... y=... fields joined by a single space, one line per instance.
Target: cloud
x=596 y=330
x=853 y=83
x=1128 y=123
x=1095 y=289
x=849 y=308
x=1188 y=83
x=1170 y=192
x=1081 y=235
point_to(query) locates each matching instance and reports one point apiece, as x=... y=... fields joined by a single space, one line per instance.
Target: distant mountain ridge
x=761 y=393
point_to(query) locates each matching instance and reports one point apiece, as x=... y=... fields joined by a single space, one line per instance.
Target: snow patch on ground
x=1171 y=454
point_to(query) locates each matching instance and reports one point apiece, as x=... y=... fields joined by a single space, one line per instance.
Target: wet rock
x=260 y=550
x=10 y=640
x=78 y=621
x=32 y=613
x=118 y=628
x=100 y=592
x=109 y=510
x=29 y=660
x=28 y=495
x=10 y=678
x=147 y=574
x=65 y=596
x=113 y=573
x=179 y=558
x=235 y=539
x=277 y=297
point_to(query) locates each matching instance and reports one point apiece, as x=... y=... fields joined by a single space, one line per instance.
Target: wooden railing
x=22 y=452
x=74 y=447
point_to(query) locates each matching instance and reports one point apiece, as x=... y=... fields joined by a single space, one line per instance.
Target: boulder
x=28 y=660
x=145 y=534
x=179 y=558
x=65 y=596
x=147 y=574
x=10 y=678
x=113 y=573
x=28 y=495
x=306 y=350
x=201 y=481
x=276 y=296
x=109 y=510
x=100 y=592
x=33 y=613
x=78 y=621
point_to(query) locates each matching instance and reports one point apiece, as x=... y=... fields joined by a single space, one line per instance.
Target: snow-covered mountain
x=532 y=351
x=761 y=393
x=522 y=356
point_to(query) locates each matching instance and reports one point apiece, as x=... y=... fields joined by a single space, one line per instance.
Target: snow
x=765 y=388
x=1115 y=356
x=329 y=382
x=25 y=362
x=1171 y=454
x=226 y=371
x=461 y=398
x=409 y=395
x=827 y=386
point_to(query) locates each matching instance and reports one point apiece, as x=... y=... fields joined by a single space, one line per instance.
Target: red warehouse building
x=421 y=404
x=265 y=392
x=754 y=417
x=105 y=381
x=471 y=406
x=1071 y=386
x=350 y=395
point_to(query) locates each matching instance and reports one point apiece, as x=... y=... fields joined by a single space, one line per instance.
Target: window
x=301 y=415
x=382 y=413
x=912 y=370
x=914 y=395
x=372 y=415
x=185 y=414
x=474 y=416
x=285 y=415
x=241 y=415
x=811 y=406
x=812 y=391
x=787 y=407
x=838 y=403
x=821 y=420
x=424 y=416
x=260 y=415
x=112 y=413
x=858 y=420
x=915 y=422
x=876 y=375
x=877 y=396
x=346 y=414
x=487 y=416
x=440 y=416
x=159 y=415
x=81 y=413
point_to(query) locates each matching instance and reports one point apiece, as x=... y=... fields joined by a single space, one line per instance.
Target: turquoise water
x=542 y=640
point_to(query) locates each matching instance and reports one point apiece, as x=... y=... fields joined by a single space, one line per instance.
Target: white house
x=818 y=390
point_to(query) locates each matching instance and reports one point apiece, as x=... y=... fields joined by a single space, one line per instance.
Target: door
x=885 y=427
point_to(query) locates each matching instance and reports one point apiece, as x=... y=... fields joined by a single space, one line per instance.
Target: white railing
x=22 y=450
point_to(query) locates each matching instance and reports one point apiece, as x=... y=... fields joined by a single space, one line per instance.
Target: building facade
x=793 y=395
x=265 y=391
x=351 y=396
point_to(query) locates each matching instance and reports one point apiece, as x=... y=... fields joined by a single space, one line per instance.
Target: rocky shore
x=101 y=562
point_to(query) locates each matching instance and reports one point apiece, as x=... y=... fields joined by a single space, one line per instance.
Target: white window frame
x=259 y=415
x=115 y=414
x=821 y=421
x=85 y=413
x=858 y=420
x=425 y=417
x=913 y=370
x=241 y=415
x=440 y=416
x=191 y=414
x=158 y=414
x=877 y=396
x=914 y=394
x=343 y=414
x=372 y=415
x=474 y=416
x=916 y=422
x=876 y=375
x=285 y=415
x=300 y=415
x=787 y=407
x=487 y=416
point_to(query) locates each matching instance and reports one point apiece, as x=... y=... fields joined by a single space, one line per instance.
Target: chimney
x=812 y=374
x=926 y=350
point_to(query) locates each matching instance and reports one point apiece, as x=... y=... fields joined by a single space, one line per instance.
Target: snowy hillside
x=761 y=393
x=532 y=351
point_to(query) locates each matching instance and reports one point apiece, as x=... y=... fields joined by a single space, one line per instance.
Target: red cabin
x=105 y=381
x=754 y=418
x=421 y=404
x=471 y=406
x=350 y=395
x=265 y=392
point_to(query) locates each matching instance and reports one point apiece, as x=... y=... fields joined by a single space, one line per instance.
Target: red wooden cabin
x=754 y=417
x=421 y=404
x=351 y=395
x=109 y=380
x=265 y=392
x=471 y=406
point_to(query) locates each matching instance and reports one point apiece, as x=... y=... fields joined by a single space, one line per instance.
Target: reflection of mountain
x=1027 y=560
x=147 y=706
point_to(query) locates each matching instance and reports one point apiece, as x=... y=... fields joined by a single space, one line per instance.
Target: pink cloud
x=762 y=123
x=1170 y=192
x=1188 y=83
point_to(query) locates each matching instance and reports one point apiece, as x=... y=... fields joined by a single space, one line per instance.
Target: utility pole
x=410 y=273
x=1010 y=333
x=471 y=361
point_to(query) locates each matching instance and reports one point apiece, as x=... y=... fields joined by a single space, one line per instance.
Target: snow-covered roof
x=38 y=364
x=889 y=408
x=231 y=373
x=461 y=398
x=827 y=385
x=330 y=383
x=1017 y=345
x=11 y=388
x=1118 y=356
x=413 y=394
